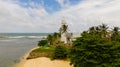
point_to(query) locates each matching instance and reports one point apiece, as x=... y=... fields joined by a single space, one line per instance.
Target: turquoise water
x=14 y=45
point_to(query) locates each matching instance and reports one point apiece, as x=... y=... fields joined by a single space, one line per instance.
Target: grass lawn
x=41 y=52
x=44 y=49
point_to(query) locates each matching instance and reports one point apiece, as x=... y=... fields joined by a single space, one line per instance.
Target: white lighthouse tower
x=65 y=36
x=64 y=32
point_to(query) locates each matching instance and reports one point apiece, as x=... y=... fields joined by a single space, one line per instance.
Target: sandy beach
x=45 y=62
x=41 y=62
x=23 y=59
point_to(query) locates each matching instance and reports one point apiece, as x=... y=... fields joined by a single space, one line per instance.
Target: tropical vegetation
x=53 y=39
x=97 y=47
x=42 y=43
x=44 y=51
x=60 y=52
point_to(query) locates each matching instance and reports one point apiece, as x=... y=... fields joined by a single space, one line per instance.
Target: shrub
x=93 y=51
x=42 y=43
x=60 y=52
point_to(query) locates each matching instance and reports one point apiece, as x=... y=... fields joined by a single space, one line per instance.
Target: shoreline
x=23 y=59
x=41 y=61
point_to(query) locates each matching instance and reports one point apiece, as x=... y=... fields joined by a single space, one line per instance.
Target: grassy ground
x=41 y=52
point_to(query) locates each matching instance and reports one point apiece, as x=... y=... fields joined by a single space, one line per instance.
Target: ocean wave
x=17 y=37
x=26 y=37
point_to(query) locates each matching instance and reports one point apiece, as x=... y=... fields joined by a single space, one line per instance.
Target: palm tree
x=103 y=29
x=92 y=30
x=63 y=28
x=56 y=36
x=116 y=30
x=49 y=39
x=97 y=29
x=115 y=33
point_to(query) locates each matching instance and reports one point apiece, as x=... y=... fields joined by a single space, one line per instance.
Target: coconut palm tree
x=116 y=30
x=115 y=33
x=56 y=37
x=103 y=29
x=97 y=29
x=92 y=30
x=49 y=39
x=63 y=28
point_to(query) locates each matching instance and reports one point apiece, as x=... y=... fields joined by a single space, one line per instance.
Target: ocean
x=15 y=45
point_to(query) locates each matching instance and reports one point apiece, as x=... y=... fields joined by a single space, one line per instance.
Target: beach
x=42 y=62
x=45 y=62
x=24 y=58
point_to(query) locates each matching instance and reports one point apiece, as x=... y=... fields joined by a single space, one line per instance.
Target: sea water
x=14 y=45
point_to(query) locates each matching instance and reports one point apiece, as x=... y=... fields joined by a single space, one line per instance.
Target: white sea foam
x=13 y=38
x=17 y=37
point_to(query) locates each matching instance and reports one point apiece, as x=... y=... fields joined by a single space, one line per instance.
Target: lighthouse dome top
x=63 y=22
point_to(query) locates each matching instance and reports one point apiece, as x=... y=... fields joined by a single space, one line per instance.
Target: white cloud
x=14 y=18
x=61 y=2
x=64 y=3
x=92 y=12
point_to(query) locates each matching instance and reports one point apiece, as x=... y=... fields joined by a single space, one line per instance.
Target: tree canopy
x=94 y=49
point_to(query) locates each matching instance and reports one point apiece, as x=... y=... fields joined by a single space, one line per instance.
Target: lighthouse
x=65 y=36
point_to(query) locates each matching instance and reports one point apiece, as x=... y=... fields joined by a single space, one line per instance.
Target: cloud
x=61 y=2
x=14 y=18
x=79 y=17
x=64 y=3
x=90 y=12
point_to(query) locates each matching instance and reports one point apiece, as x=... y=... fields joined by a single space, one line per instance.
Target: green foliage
x=115 y=34
x=53 y=39
x=44 y=49
x=42 y=43
x=94 y=50
x=49 y=39
x=60 y=52
x=63 y=28
x=41 y=52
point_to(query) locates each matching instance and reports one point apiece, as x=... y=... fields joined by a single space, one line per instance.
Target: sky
x=44 y=16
